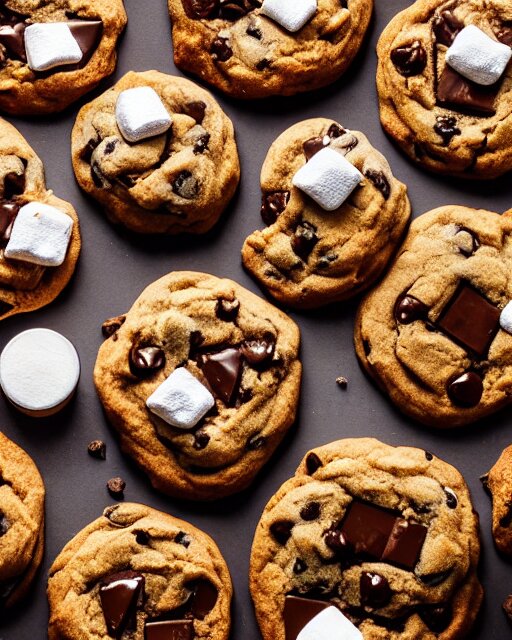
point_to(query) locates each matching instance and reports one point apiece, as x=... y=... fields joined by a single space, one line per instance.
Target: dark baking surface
x=114 y=268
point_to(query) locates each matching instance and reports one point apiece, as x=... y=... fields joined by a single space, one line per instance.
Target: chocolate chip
x=183 y=538
x=196 y=110
x=14 y=184
x=116 y=487
x=313 y=463
x=200 y=9
x=436 y=617
x=375 y=590
x=311 y=511
x=97 y=449
x=223 y=370
x=99 y=180
x=273 y=204
x=380 y=181
x=233 y=9
x=451 y=498
x=201 y=440
x=185 y=185
x=281 y=531
x=169 y=630
x=196 y=340
x=259 y=352
x=409 y=60
x=120 y=594
x=254 y=32
x=466 y=390
x=221 y=50
x=335 y=131
x=342 y=382
x=433 y=579
x=300 y=566
x=325 y=261
x=429 y=456
x=110 y=146
x=144 y=361
x=312 y=146
x=8 y=213
x=110 y=326
x=408 y=309
x=337 y=542
x=256 y=443
x=201 y=144
x=446 y=128
x=227 y=310
x=304 y=239
x=457 y=92
x=263 y=64
x=446 y=26
x=204 y=599
x=4 y=525
x=507 y=607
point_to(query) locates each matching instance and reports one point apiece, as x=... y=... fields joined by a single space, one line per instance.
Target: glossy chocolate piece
x=223 y=371
x=470 y=320
x=459 y=93
x=273 y=204
x=451 y=498
x=304 y=239
x=380 y=181
x=466 y=390
x=298 y=612
x=314 y=145
x=408 y=309
x=409 y=60
x=374 y=589
x=446 y=127
x=200 y=9
x=195 y=110
x=227 y=310
x=313 y=463
x=14 y=185
x=146 y=360
x=110 y=326
x=120 y=595
x=220 y=50
x=12 y=37
x=88 y=34
x=259 y=352
x=337 y=542
x=446 y=26
x=204 y=599
x=169 y=630
x=8 y=213
x=282 y=530
x=405 y=544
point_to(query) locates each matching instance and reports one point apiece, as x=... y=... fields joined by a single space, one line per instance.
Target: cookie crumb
x=342 y=382
x=116 y=487
x=97 y=449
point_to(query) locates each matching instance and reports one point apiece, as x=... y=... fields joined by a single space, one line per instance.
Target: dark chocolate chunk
x=110 y=146
x=314 y=145
x=116 y=487
x=451 y=498
x=282 y=530
x=446 y=128
x=311 y=511
x=380 y=181
x=142 y=537
x=8 y=213
x=335 y=131
x=299 y=566
x=88 y=34
x=88 y=150
x=99 y=180
x=263 y=64
x=470 y=320
x=196 y=110
x=254 y=32
x=223 y=371
x=433 y=579
x=200 y=9
x=201 y=144
x=298 y=612
x=12 y=37
x=110 y=326
x=183 y=539
x=325 y=261
x=273 y=204
x=201 y=440
x=466 y=390
x=375 y=590
x=14 y=185
x=97 y=449
x=169 y=630
x=436 y=617
x=256 y=443
x=313 y=463
x=220 y=50
x=337 y=542
x=429 y=456
x=185 y=185
x=234 y=9
x=196 y=340
x=405 y=544
x=446 y=26
x=259 y=352
x=408 y=309
x=227 y=310
x=457 y=92
x=304 y=239
x=4 y=524
x=144 y=361
x=409 y=60
x=204 y=599
x=507 y=607
x=475 y=244
x=120 y=594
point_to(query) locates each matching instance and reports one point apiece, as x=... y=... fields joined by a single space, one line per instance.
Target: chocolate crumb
x=97 y=449
x=116 y=487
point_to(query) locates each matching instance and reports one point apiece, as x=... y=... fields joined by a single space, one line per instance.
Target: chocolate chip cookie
x=139 y=573
x=53 y=52
x=180 y=180
x=436 y=332
x=387 y=535
x=499 y=483
x=201 y=379
x=253 y=49
x=442 y=119
x=21 y=521
x=309 y=256
x=39 y=233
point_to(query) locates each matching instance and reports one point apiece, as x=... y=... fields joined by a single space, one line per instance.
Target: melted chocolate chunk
x=169 y=630
x=14 y=185
x=446 y=26
x=459 y=93
x=433 y=579
x=110 y=326
x=436 y=617
x=304 y=239
x=410 y=60
x=223 y=371
x=120 y=594
x=220 y=50
x=202 y=143
x=379 y=181
x=282 y=531
x=408 y=309
x=88 y=34
x=144 y=361
x=12 y=37
x=451 y=498
x=227 y=310
x=466 y=390
x=298 y=612
x=8 y=213
x=273 y=204
x=313 y=463
x=313 y=146
x=256 y=443
x=337 y=542
x=259 y=352
x=200 y=9
x=196 y=110
x=204 y=599
x=470 y=320
x=5 y=525
x=201 y=440
x=310 y=512
x=446 y=128
x=375 y=590
x=97 y=449
x=185 y=185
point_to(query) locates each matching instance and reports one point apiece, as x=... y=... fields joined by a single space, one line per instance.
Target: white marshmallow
x=181 y=400
x=506 y=318
x=329 y=178
x=330 y=624
x=290 y=14
x=39 y=371
x=40 y=235
x=477 y=56
x=50 y=44
x=141 y=114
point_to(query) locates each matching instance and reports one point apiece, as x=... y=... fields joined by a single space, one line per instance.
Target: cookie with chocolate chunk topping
x=201 y=381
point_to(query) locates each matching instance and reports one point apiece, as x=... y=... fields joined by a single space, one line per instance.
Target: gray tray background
x=114 y=268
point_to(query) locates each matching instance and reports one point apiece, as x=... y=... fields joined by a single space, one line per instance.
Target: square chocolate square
x=457 y=92
x=367 y=528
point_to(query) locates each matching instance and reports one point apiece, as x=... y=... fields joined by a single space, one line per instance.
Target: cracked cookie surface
x=179 y=181
x=441 y=120
x=237 y=49
x=307 y=256
x=432 y=334
x=25 y=286
x=21 y=521
x=141 y=574
x=388 y=535
x=96 y=25
x=238 y=346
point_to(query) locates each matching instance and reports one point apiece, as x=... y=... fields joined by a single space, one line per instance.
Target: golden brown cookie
x=386 y=535
x=440 y=118
x=27 y=88
x=201 y=379
x=308 y=256
x=499 y=482
x=238 y=48
x=178 y=181
x=139 y=573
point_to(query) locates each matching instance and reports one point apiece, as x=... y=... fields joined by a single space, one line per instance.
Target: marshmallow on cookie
x=290 y=14
x=141 y=114
x=50 y=44
x=330 y=624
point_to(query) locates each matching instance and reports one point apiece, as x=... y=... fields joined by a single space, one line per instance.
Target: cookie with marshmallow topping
x=52 y=53
x=201 y=379
x=158 y=153
x=257 y=48
x=334 y=211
